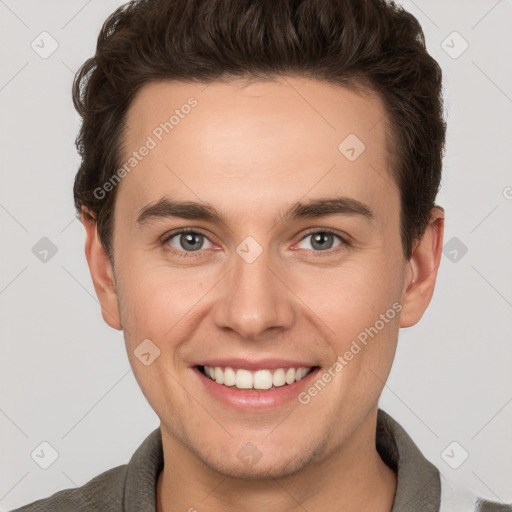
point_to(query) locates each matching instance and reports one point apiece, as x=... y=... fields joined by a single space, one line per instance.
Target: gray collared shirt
x=132 y=487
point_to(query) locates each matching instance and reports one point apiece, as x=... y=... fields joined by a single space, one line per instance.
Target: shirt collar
x=142 y=474
x=418 y=480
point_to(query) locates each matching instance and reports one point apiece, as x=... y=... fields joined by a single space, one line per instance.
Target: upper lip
x=253 y=365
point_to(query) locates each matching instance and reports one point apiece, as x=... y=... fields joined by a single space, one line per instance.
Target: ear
x=101 y=272
x=421 y=271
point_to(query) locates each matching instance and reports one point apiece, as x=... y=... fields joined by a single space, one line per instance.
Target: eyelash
x=191 y=254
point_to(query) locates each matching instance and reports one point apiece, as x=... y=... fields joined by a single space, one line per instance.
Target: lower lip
x=254 y=399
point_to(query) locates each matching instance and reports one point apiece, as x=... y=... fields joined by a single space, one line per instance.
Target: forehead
x=272 y=140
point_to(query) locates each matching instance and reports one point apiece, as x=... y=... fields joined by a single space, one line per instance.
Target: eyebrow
x=169 y=208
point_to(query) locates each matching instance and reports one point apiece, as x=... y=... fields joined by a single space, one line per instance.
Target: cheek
x=350 y=297
x=154 y=306
x=156 y=298
x=159 y=302
x=360 y=305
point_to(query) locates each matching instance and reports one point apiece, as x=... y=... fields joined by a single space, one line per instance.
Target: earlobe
x=102 y=273
x=421 y=272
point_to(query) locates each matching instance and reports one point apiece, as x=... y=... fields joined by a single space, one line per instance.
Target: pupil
x=320 y=239
x=187 y=241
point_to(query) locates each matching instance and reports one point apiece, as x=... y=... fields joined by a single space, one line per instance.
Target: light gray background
x=64 y=374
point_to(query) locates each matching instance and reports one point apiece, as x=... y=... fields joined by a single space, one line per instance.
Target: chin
x=253 y=465
x=270 y=471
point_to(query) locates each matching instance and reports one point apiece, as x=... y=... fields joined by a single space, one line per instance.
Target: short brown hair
x=367 y=43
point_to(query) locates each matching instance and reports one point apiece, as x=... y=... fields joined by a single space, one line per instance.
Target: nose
x=254 y=299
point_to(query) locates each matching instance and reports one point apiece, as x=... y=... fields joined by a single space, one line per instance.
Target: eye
x=187 y=240
x=323 y=240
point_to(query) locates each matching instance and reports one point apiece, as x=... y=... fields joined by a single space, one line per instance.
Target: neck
x=353 y=477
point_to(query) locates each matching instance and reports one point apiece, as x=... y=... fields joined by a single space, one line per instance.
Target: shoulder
x=483 y=505
x=133 y=483
x=455 y=498
x=104 y=492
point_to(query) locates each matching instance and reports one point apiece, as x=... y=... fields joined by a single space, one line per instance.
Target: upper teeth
x=260 y=379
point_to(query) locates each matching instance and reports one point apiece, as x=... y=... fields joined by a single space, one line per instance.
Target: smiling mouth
x=259 y=380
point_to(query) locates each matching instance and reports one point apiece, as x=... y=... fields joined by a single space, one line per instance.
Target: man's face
x=259 y=285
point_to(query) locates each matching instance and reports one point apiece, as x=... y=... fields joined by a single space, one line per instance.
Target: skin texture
x=252 y=149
